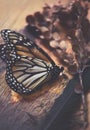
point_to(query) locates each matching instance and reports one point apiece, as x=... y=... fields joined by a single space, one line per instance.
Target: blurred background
x=13 y=13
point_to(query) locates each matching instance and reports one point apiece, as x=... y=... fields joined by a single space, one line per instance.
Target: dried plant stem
x=84 y=102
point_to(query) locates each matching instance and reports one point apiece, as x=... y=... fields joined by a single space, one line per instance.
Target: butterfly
x=28 y=67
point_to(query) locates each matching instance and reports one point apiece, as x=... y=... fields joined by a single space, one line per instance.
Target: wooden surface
x=13 y=13
x=26 y=114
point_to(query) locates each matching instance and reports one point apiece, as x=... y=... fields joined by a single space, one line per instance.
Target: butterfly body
x=28 y=67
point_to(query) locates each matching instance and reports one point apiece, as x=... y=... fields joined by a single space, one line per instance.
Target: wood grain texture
x=13 y=13
x=26 y=114
x=38 y=111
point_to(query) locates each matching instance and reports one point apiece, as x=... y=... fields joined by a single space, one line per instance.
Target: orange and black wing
x=28 y=66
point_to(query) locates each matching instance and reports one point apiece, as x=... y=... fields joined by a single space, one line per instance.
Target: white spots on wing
x=20 y=38
x=25 y=44
x=12 y=45
x=28 y=43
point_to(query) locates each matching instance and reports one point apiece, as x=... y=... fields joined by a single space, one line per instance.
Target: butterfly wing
x=28 y=66
x=20 y=45
x=27 y=74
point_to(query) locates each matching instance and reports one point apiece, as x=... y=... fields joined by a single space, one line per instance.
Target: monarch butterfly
x=28 y=67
